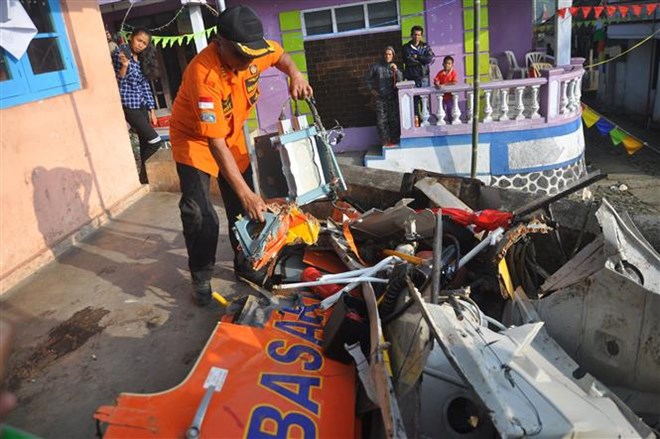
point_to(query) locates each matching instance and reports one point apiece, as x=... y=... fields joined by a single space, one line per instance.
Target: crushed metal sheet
x=381 y=223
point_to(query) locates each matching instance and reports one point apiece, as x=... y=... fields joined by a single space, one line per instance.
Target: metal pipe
x=316 y=283
x=491 y=239
x=437 y=258
x=475 y=95
x=652 y=66
x=329 y=301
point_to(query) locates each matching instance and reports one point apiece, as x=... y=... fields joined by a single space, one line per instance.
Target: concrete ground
x=115 y=315
x=112 y=315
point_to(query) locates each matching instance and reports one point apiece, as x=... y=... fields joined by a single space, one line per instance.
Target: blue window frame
x=47 y=68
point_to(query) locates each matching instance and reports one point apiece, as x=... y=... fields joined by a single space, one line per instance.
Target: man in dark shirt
x=381 y=79
x=417 y=57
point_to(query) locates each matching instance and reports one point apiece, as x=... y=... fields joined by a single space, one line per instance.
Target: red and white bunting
x=598 y=10
x=610 y=10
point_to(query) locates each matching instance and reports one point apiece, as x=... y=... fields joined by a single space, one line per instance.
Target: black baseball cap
x=240 y=25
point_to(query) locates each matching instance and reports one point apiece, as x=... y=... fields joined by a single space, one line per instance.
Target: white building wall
x=636 y=80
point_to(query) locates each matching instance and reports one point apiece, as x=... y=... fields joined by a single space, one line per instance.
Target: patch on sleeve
x=208 y=117
x=227 y=106
x=205 y=103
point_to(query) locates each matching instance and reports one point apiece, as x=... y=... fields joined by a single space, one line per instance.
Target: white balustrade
x=426 y=114
x=570 y=89
x=564 y=98
x=510 y=103
x=441 y=110
x=470 y=106
x=520 y=106
x=488 y=110
x=455 y=111
x=504 y=104
x=534 y=106
x=578 y=92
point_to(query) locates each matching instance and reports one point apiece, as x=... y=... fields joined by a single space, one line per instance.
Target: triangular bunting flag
x=650 y=8
x=623 y=10
x=573 y=10
x=179 y=40
x=636 y=9
x=598 y=10
x=617 y=136
x=589 y=116
x=188 y=38
x=586 y=10
x=611 y=10
x=155 y=40
x=604 y=126
x=169 y=42
x=214 y=30
x=632 y=145
x=562 y=12
x=208 y=32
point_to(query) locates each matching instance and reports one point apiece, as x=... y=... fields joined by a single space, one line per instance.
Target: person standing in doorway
x=417 y=57
x=381 y=79
x=219 y=88
x=135 y=65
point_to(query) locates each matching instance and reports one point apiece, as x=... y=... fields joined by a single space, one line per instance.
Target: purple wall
x=502 y=15
x=444 y=32
x=273 y=83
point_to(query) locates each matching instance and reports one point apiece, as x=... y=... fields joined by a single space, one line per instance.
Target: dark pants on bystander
x=420 y=82
x=387 y=119
x=200 y=221
x=150 y=141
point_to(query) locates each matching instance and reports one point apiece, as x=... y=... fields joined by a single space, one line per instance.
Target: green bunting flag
x=617 y=135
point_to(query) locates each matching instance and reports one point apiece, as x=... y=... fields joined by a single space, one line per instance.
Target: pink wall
x=66 y=160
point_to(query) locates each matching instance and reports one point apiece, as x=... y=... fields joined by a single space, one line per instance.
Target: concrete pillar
x=563 y=34
x=197 y=21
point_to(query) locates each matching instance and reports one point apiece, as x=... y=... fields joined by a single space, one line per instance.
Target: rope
x=623 y=53
x=121 y=28
x=156 y=29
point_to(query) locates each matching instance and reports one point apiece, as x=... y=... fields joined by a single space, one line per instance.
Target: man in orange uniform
x=219 y=88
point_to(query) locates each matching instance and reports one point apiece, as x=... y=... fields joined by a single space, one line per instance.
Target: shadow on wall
x=61 y=201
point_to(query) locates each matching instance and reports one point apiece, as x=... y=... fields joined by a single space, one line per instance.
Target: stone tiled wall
x=336 y=69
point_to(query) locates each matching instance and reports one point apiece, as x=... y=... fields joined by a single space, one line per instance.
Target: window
x=355 y=18
x=47 y=67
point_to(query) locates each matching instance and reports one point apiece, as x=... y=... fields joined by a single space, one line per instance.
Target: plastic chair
x=513 y=65
x=533 y=58
x=494 y=72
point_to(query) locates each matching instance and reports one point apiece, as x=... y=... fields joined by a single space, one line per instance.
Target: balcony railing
x=504 y=105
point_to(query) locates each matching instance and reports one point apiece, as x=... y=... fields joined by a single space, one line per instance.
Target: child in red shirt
x=446 y=77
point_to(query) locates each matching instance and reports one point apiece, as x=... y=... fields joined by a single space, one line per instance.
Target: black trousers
x=387 y=119
x=150 y=141
x=200 y=221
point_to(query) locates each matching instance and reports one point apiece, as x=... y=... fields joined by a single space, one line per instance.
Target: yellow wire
x=623 y=53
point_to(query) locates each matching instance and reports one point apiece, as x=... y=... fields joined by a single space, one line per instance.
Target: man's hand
x=253 y=205
x=394 y=67
x=152 y=117
x=299 y=88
